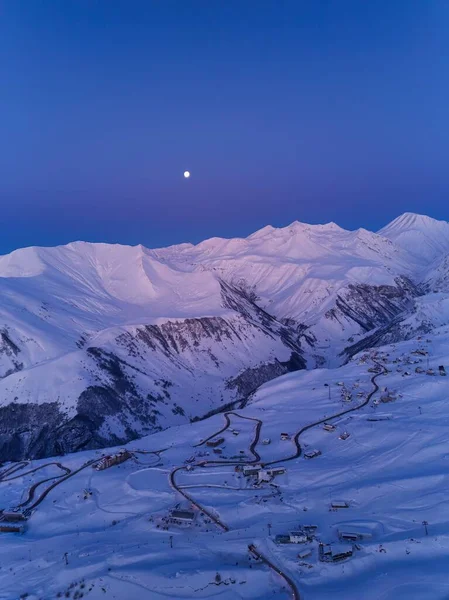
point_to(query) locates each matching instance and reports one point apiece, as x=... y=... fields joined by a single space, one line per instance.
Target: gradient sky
x=312 y=110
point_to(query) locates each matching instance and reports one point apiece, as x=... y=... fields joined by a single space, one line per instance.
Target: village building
x=298 y=537
x=264 y=476
x=214 y=443
x=340 y=552
x=12 y=528
x=337 y=504
x=276 y=471
x=353 y=536
x=312 y=453
x=182 y=516
x=309 y=530
x=11 y=516
x=387 y=397
x=305 y=553
x=419 y=370
x=442 y=370
x=285 y=436
x=266 y=441
x=111 y=460
x=218 y=451
x=328 y=427
x=344 y=435
x=251 y=469
x=430 y=372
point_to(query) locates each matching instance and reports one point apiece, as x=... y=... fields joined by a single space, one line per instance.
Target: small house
x=328 y=427
x=266 y=441
x=251 y=470
x=349 y=536
x=11 y=528
x=340 y=552
x=304 y=554
x=442 y=370
x=430 y=372
x=298 y=537
x=11 y=516
x=276 y=471
x=344 y=435
x=285 y=436
x=214 y=443
x=337 y=504
x=182 y=516
x=312 y=453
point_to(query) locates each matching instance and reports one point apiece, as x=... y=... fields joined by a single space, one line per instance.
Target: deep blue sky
x=305 y=109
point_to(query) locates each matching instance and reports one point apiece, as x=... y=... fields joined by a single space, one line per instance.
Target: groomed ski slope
x=392 y=473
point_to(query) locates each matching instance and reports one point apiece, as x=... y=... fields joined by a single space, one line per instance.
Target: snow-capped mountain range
x=103 y=343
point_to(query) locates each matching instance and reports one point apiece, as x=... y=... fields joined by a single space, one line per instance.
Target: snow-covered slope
x=100 y=343
x=101 y=534
x=424 y=238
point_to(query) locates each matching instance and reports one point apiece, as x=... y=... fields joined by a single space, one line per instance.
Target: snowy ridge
x=197 y=316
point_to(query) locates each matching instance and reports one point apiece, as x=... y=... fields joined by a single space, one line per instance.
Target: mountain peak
x=422 y=236
x=409 y=220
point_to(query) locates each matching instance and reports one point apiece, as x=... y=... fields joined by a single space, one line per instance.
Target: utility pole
x=66 y=558
x=269 y=529
x=425 y=523
x=171 y=541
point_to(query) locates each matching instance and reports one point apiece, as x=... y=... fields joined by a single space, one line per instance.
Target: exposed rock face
x=151 y=376
x=10 y=353
x=374 y=306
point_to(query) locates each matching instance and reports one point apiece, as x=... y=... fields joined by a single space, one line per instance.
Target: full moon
x=186 y=174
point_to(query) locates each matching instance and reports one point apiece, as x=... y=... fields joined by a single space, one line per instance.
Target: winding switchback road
x=252 y=548
x=298 y=451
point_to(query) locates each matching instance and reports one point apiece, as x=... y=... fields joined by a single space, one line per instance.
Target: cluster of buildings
x=112 y=459
x=301 y=536
x=263 y=475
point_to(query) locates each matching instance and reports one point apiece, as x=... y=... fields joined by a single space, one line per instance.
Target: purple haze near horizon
x=282 y=111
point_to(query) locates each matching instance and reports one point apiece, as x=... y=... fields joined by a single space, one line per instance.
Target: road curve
x=59 y=481
x=12 y=469
x=188 y=497
x=58 y=464
x=296 y=596
x=298 y=451
x=252 y=447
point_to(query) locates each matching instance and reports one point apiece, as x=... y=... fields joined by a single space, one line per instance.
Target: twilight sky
x=315 y=110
